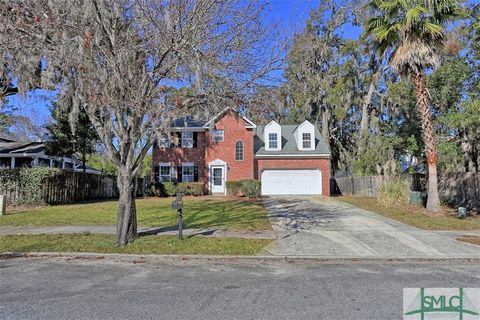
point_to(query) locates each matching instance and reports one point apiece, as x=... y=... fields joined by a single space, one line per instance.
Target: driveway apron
x=325 y=227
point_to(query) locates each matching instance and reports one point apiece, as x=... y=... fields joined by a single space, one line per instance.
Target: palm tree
x=411 y=32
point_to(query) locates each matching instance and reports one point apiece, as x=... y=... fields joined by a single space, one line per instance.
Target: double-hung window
x=272 y=141
x=217 y=135
x=239 y=150
x=306 y=140
x=164 y=142
x=165 y=173
x=187 y=139
x=188 y=173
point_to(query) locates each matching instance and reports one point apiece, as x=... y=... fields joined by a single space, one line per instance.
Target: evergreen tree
x=63 y=141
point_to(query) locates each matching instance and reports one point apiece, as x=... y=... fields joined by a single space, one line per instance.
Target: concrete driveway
x=325 y=227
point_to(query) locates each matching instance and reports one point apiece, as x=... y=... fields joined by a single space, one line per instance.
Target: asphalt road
x=40 y=288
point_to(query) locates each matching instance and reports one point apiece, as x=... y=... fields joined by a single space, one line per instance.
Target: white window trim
x=243 y=150
x=271 y=140
x=216 y=135
x=168 y=177
x=305 y=140
x=164 y=164
x=272 y=127
x=188 y=165
x=187 y=139
x=164 y=142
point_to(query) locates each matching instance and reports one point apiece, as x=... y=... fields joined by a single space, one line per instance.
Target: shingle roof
x=289 y=145
x=188 y=122
x=22 y=147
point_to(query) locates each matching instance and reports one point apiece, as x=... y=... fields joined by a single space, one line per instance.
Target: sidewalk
x=211 y=232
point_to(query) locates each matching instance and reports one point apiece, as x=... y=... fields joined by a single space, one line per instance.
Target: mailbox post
x=178 y=205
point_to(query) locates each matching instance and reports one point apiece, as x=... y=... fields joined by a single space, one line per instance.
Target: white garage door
x=277 y=182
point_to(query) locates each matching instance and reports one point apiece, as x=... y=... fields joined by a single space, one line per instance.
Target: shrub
x=170 y=189
x=29 y=182
x=248 y=188
x=234 y=188
x=251 y=188
x=394 y=192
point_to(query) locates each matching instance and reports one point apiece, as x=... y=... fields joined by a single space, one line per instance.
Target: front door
x=218 y=179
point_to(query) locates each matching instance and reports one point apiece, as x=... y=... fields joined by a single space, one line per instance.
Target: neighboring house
x=15 y=154
x=287 y=159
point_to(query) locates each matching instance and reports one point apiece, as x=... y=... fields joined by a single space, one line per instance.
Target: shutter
x=179 y=174
x=195 y=139
x=157 y=174
x=195 y=174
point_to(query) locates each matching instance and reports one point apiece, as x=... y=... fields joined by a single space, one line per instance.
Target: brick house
x=287 y=159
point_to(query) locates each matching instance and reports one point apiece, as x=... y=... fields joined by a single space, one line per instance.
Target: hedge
x=169 y=189
x=248 y=188
x=27 y=183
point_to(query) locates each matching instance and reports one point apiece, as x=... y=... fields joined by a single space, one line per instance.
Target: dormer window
x=306 y=140
x=272 y=141
x=305 y=136
x=272 y=136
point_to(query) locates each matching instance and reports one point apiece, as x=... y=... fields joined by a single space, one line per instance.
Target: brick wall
x=234 y=130
x=293 y=163
x=178 y=155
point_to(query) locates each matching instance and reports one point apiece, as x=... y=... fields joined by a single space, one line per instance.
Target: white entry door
x=294 y=182
x=217 y=179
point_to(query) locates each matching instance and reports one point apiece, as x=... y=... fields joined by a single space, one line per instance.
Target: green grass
x=151 y=212
x=142 y=245
x=415 y=216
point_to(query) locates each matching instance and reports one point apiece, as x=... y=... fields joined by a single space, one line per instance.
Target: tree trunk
x=84 y=162
x=433 y=202
x=127 y=212
x=366 y=105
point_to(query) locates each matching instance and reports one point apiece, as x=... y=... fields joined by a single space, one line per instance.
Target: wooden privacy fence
x=367 y=186
x=60 y=187
x=455 y=189
x=72 y=187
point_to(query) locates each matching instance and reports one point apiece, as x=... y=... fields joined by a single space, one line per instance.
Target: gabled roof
x=22 y=147
x=250 y=124
x=289 y=145
x=188 y=122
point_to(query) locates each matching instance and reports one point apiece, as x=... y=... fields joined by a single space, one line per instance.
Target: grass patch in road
x=143 y=245
x=414 y=216
x=470 y=239
x=202 y=212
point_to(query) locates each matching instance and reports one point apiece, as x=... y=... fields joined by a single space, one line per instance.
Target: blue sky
x=290 y=13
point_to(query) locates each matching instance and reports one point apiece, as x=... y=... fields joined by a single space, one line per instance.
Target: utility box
x=3 y=205
x=416 y=198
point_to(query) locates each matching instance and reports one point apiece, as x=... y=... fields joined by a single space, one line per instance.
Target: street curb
x=153 y=257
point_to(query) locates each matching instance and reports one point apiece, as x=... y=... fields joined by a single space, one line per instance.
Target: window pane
x=272 y=140
x=187 y=139
x=306 y=140
x=217 y=176
x=187 y=173
x=165 y=173
x=217 y=135
x=164 y=142
x=239 y=150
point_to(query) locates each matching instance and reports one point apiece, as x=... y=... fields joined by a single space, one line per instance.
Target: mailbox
x=177 y=205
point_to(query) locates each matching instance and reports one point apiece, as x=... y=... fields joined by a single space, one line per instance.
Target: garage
x=291 y=182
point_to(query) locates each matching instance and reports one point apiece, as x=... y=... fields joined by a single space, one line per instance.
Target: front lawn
x=414 y=216
x=142 y=245
x=203 y=212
